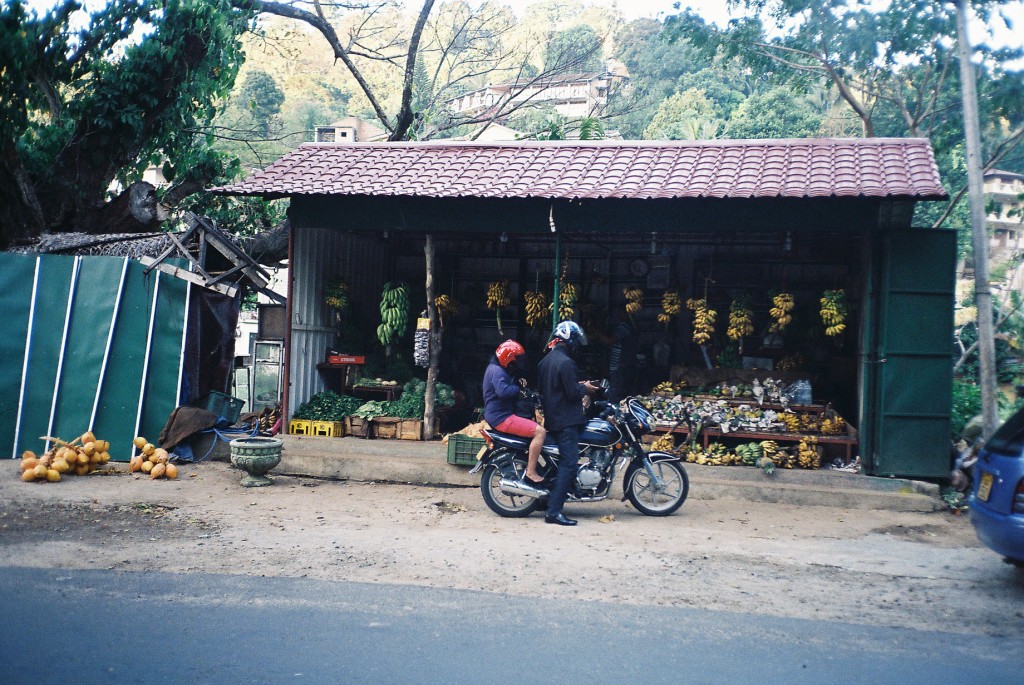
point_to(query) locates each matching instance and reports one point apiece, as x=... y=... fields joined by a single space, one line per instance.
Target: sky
x=711 y=10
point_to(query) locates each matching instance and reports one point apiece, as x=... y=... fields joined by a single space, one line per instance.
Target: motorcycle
x=654 y=482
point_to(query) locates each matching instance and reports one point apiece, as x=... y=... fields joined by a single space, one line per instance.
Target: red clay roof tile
x=872 y=167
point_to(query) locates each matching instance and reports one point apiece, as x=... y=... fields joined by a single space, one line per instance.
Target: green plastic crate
x=462 y=449
x=222 y=405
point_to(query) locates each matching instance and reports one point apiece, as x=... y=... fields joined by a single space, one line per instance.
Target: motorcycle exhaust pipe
x=515 y=487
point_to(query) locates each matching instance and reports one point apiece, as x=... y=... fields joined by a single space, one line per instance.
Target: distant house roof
x=873 y=167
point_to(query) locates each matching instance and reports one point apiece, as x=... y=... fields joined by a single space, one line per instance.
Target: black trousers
x=568 y=441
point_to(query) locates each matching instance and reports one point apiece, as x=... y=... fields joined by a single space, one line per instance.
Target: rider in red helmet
x=502 y=383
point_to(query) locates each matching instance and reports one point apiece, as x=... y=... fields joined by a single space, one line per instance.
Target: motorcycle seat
x=520 y=443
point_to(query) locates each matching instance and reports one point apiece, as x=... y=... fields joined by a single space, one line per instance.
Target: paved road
x=88 y=627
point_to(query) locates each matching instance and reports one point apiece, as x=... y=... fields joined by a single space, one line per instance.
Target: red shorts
x=517 y=425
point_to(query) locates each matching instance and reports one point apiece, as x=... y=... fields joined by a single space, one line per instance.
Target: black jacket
x=560 y=389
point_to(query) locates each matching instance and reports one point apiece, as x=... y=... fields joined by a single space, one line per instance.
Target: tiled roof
x=872 y=167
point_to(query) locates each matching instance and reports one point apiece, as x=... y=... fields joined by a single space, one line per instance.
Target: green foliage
x=262 y=98
x=574 y=49
x=328 y=406
x=689 y=115
x=136 y=85
x=966 y=404
x=775 y=113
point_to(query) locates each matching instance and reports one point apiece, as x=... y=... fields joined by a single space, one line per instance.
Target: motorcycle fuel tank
x=599 y=432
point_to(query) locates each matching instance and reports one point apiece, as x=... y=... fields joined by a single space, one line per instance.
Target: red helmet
x=508 y=352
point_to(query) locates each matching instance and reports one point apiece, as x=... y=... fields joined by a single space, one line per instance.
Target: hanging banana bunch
x=782 y=305
x=394 y=313
x=567 y=295
x=634 y=297
x=537 y=309
x=703 y=320
x=336 y=295
x=446 y=307
x=741 y=318
x=497 y=297
x=834 y=311
x=671 y=305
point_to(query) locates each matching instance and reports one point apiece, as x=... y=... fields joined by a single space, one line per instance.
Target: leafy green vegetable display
x=328 y=406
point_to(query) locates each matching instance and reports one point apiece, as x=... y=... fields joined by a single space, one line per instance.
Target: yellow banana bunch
x=782 y=305
x=497 y=295
x=834 y=425
x=446 y=306
x=394 y=312
x=703 y=320
x=807 y=456
x=537 y=309
x=791 y=421
x=634 y=297
x=791 y=362
x=567 y=295
x=834 y=312
x=670 y=303
x=336 y=295
x=664 y=444
x=741 y=318
x=810 y=423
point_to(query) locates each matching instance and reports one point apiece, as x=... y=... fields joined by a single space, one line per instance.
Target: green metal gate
x=912 y=368
x=91 y=343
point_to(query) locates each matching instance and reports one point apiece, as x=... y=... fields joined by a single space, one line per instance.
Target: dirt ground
x=922 y=571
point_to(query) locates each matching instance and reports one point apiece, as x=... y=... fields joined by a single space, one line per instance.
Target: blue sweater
x=500 y=391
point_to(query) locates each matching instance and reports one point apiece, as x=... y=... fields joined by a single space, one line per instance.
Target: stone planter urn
x=256 y=456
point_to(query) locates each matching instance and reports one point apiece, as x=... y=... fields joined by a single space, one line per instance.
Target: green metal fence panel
x=915 y=372
x=17 y=274
x=44 y=347
x=121 y=391
x=92 y=343
x=94 y=304
x=163 y=368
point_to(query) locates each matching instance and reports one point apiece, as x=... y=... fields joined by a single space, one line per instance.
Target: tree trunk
x=133 y=211
x=268 y=248
x=982 y=288
x=435 y=343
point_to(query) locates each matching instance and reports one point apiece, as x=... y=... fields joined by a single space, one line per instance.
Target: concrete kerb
x=425 y=463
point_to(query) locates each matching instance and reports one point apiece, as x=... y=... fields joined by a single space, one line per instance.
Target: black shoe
x=561 y=519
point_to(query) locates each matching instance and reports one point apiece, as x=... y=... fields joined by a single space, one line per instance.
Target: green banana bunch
x=394 y=313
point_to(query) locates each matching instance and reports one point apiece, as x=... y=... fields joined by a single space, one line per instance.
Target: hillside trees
x=84 y=107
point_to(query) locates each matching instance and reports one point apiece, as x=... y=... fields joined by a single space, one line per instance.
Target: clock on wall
x=639 y=267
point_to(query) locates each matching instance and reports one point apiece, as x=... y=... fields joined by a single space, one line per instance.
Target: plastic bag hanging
x=421 y=342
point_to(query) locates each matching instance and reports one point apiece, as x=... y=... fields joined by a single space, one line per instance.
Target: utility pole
x=976 y=194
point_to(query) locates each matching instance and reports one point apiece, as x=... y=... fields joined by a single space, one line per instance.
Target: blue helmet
x=571 y=333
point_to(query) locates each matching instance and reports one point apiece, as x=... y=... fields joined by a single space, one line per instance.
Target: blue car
x=997 y=492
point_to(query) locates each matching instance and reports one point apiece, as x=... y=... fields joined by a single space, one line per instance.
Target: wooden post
x=434 y=345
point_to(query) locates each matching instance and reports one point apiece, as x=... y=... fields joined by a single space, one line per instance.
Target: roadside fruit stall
x=784 y=260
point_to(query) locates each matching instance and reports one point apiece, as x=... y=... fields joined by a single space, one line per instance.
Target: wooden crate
x=385 y=427
x=330 y=429
x=300 y=427
x=410 y=429
x=357 y=426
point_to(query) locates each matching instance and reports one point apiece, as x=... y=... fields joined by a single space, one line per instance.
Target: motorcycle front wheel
x=502 y=503
x=652 y=500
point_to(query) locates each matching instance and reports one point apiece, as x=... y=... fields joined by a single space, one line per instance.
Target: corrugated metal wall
x=320 y=255
x=92 y=343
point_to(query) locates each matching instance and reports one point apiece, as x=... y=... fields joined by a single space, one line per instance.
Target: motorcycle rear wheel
x=648 y=498
x=501 y=503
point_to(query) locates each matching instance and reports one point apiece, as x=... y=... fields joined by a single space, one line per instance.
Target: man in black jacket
x=562 y=396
